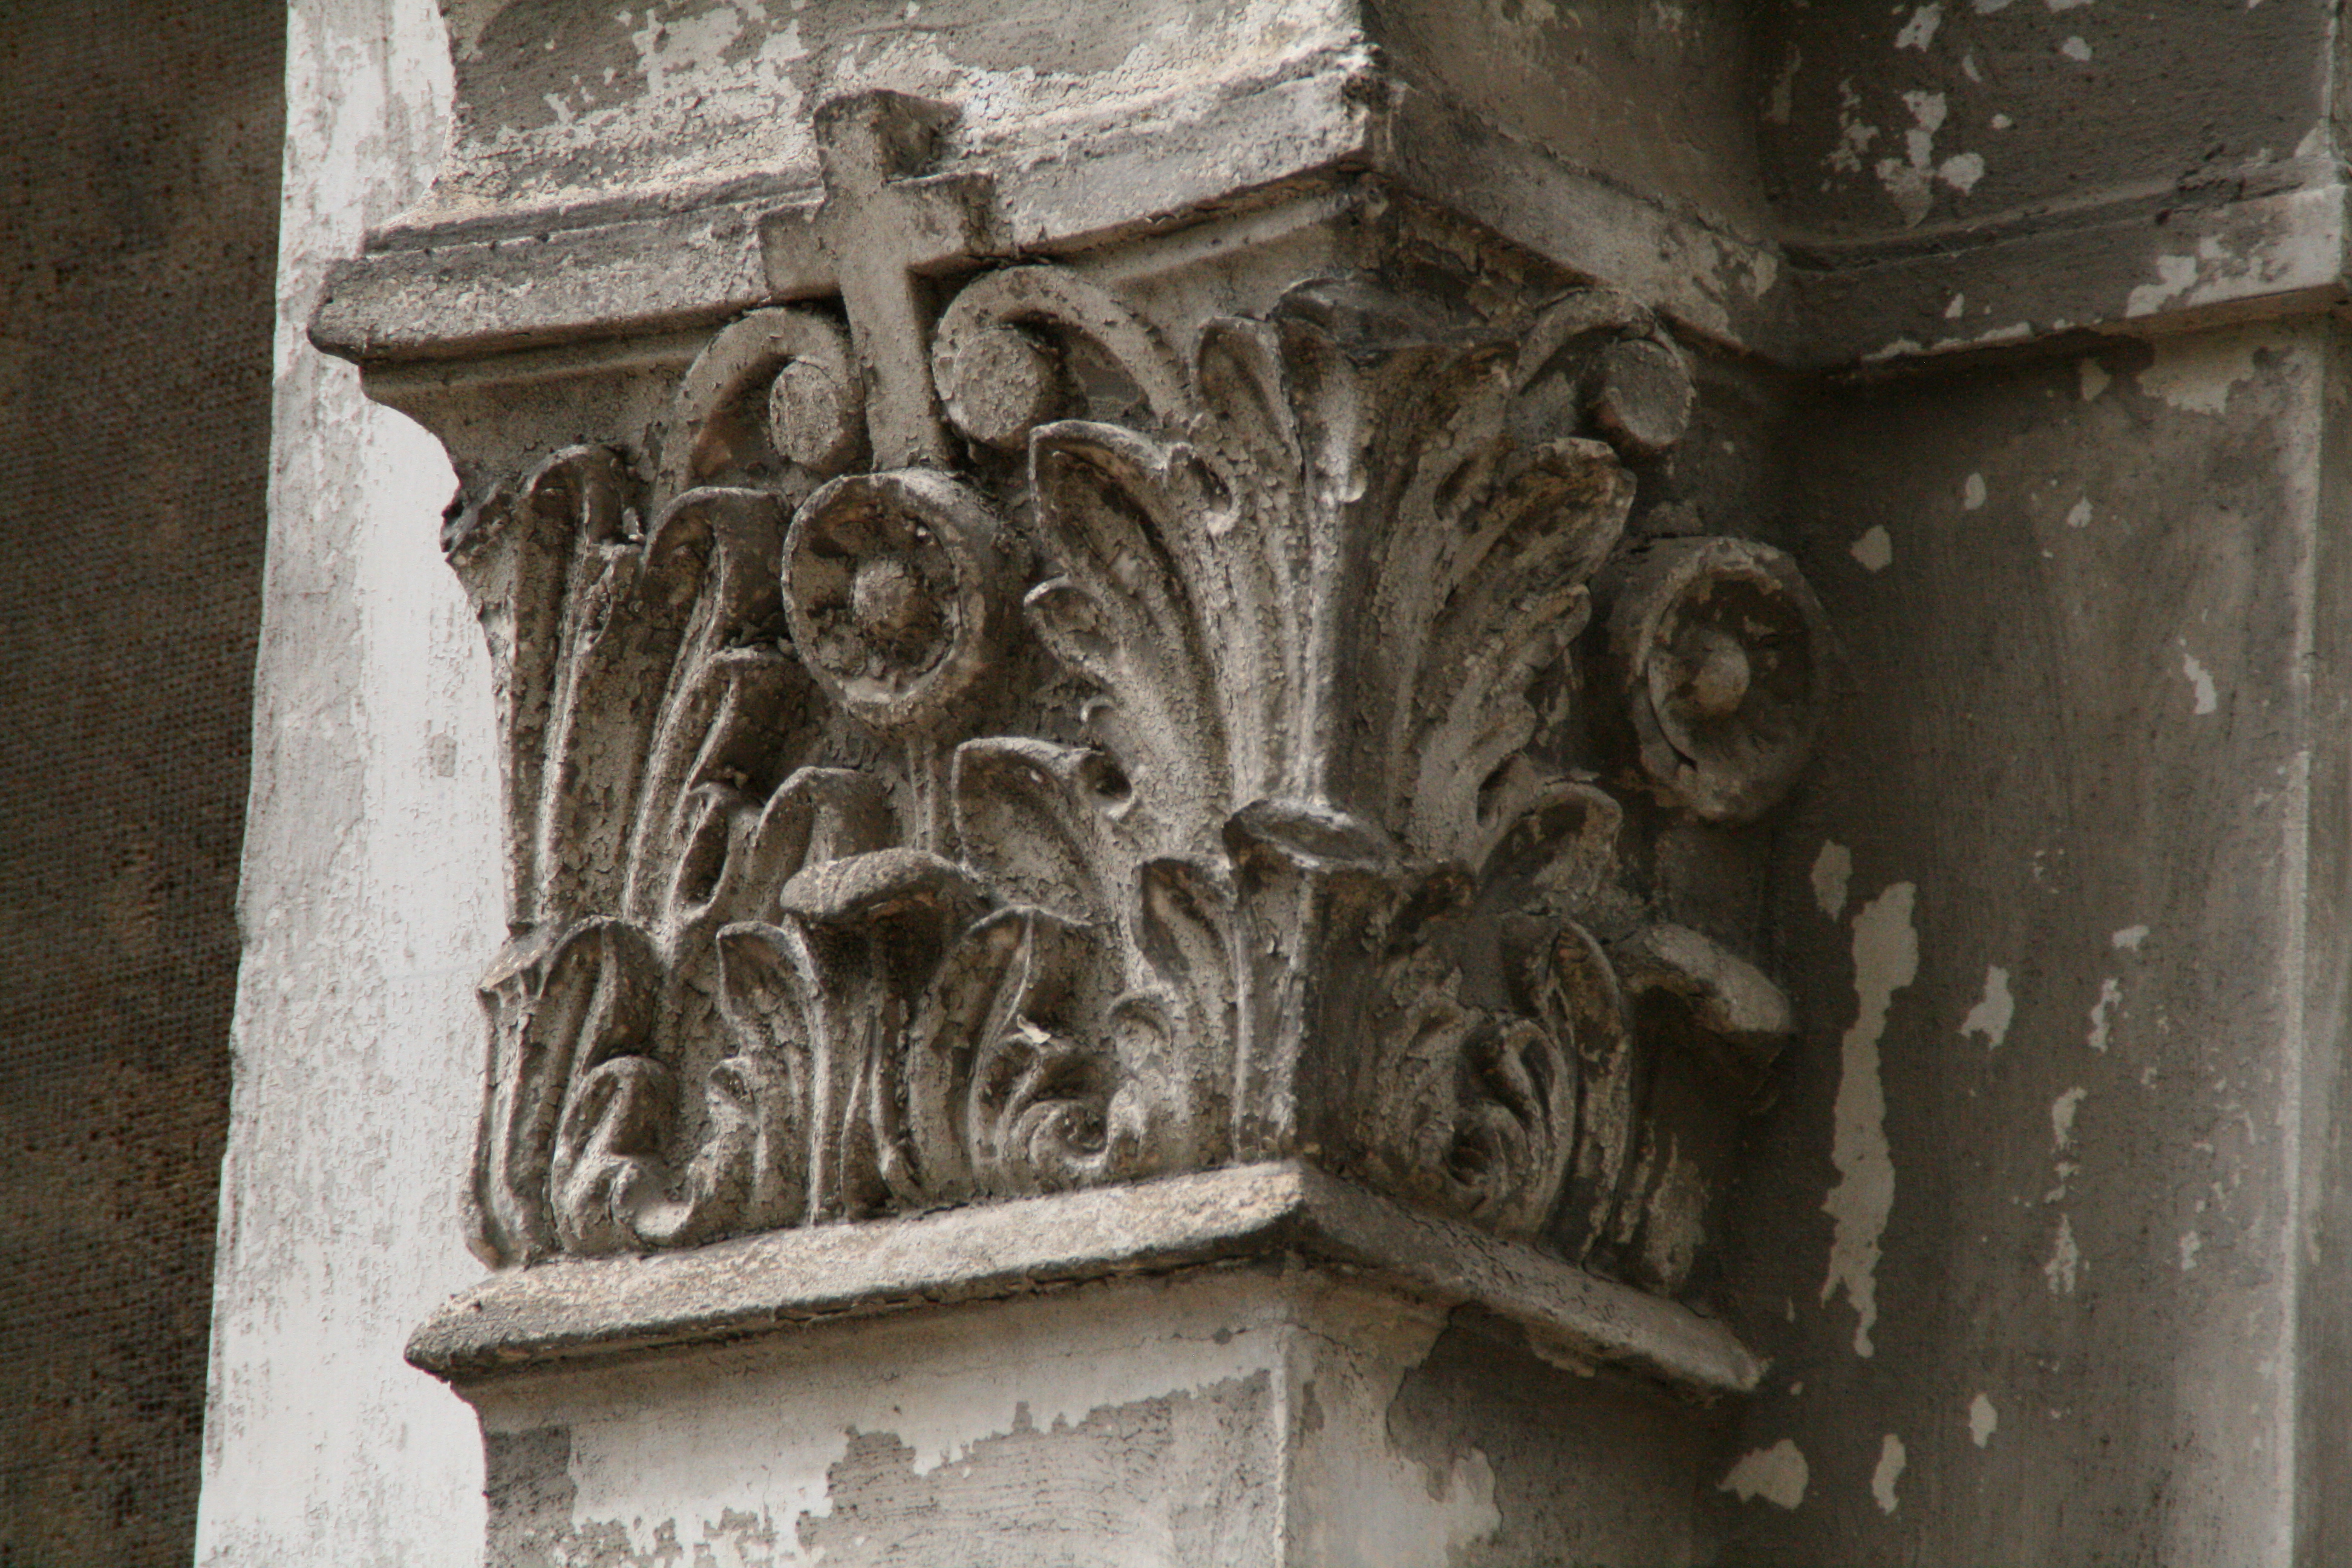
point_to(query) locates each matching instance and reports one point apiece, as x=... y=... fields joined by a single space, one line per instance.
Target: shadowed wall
x=139 y=176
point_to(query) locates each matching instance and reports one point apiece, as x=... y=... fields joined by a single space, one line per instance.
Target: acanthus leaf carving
x=1200 y=766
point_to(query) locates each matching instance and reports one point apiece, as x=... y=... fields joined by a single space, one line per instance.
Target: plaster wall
x=369 y=900
x=1929 y=119
x=138 y=195
x=2032 y=1238
x=1989 y=174
x=565 y=111
x=1237 y=1417
x=1658 y=99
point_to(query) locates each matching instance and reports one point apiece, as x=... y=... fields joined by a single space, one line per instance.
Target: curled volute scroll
x=1175 y=777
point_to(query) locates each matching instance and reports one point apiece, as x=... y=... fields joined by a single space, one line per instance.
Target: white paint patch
x=1986 y=7
x=2065 y=1259
x=2061 y=1118
x=770 y=1423
x=2080 y=514
x=2200 y=682
x=1396 y=1511
x=1994 y=1012
x=1891 y=1460
x=1983 y=1420
x=2064 y=4
x=1907 y=178
x=2016 y=331
x=1832 y=872
x=1874 y=550
x=1972 y=493
x=1885 y=959
x=2198 y=375
x=676 y=47
x=2191 y=1245
x=2176 y=275
x=2076 y=49
x=2128 y=939
x=1962 y=171
x=2000 y=123
x=1854 y=135
x=2103 y=1011
x=1777 y=1474
x=1957 y=309
x=1920 y=30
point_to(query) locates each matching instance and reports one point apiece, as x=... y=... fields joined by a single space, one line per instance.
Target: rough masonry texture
x=1188 y=763
x=1316 y=783
x=139 y=188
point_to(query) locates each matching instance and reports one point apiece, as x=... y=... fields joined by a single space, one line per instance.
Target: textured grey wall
x=139 y=157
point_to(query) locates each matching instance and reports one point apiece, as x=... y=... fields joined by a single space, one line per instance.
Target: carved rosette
x=1195 y=770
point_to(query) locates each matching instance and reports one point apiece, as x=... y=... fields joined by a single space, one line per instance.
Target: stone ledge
x=2132 y=267
x=1063 y=190
x=578 y=1309
x=2112 y=267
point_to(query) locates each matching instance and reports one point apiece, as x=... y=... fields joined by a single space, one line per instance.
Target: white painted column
x=369 y=897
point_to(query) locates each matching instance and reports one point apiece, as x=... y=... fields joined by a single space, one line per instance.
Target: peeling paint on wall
x=1994 y=1012
x=1920 y=30
x=1909 y=180
x=2061 y=1118
x=1874 y=550
x=1885 y=959
x=1778 y=1474
x=2065 y=1259
x=873 y=1431
x=1832 y=870
x=1854 y=135
x=1983 y=1421
x=1891 y=1460
x=2103 y=1011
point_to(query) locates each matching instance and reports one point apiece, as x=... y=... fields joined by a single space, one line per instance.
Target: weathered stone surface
x=1937 y=207
x=2051 y=1192
x=1258 y=1415
x=141 y=146
x=824 y=908
x=599 y=1309
x=949 y=802
x=1952 y=177
x=370 y=889
x=1089 y=135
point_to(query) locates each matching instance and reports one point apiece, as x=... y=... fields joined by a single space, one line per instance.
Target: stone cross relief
x=1024 y=750
x=883 y=223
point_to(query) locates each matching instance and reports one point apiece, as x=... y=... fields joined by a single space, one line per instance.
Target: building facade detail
x=1031 y=753
x=982 y=742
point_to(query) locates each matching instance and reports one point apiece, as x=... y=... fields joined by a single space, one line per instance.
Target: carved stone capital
x=1017 y=727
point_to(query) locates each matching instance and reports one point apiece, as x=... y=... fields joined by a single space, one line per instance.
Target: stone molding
x=1018 y=755
x=583 y=1310
x=1343 y=122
